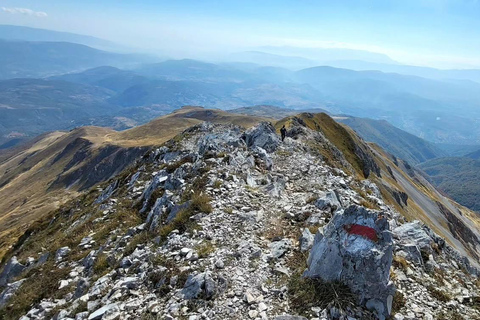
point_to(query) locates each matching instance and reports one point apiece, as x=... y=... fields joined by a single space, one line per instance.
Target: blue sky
x=440 y=33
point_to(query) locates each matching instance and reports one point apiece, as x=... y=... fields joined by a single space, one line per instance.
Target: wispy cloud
x=25 y=11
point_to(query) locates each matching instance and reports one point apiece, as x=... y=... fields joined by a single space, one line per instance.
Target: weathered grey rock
x=85 y=241
x=413 y=233
x=159 y=178
x=174 y=210
x=276 y=187
x=412 y=253
x=104 y=311
x=82 y=288
x=362 y=262
x=157 y=210
x=43 y=259
x=198 y=285
x=251 y=181
x=328 y=201
x=262 y=154
x=219 y=264
x=279 y=248
x=263 y=136
x=219 y=142
x=89 y=259
x=62 y=314
x=12 y=269
x=306 y=240
x=133 y=179
x=108 y=192
x=9 y=292
x=175 y=180
x=61 y=253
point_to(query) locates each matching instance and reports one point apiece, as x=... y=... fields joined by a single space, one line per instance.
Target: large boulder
x=263 y=136
x=356 y=249
x=411 y=240
x=413 y=233
x=199 y=286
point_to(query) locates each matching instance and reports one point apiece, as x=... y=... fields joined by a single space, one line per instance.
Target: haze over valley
x=285 y=160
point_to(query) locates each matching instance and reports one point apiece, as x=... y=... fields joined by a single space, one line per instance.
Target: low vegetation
x=439 y=294
x=42 y=283
x=199 y=203
x=307 y=293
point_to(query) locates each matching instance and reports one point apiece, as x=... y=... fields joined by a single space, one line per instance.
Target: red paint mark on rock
x=363 y=231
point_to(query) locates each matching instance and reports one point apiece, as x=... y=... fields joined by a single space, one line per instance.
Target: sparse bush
x=400 y=262
x=399 y=301
x=201 y=202
x=306 y=293
x=100 y=268
x=217 y=184
x=41 y=283
x=171 y=167
x=438 y=294
x=205 y=249
x=311 y=199
x=140 y=238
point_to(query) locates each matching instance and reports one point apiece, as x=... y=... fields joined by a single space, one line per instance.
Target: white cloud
x=25 y=11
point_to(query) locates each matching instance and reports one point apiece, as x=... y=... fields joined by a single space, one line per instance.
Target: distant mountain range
x=21 y=59
x=441 y=111
x=20 y=33
x=438 y=111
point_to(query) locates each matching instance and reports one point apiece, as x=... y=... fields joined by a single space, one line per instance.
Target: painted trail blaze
x=363 y=231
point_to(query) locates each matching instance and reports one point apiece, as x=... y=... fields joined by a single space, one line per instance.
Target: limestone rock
x=199 y=284
x=10 y=291
x=328 y=201
x=356 y=249
x=263 y=136
x=11 y=270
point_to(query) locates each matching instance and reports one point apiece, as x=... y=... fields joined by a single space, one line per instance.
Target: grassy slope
x=457 y=177
x=27 y=172
x=396 y=141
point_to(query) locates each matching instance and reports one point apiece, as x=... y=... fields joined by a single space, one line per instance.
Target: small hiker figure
x=283 y=132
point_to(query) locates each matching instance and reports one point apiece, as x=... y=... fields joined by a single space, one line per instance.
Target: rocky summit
x=223 y=223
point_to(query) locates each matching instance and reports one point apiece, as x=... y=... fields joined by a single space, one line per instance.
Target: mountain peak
x=222 y=215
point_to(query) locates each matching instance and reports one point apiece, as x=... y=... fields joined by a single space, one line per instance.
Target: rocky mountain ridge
x=219 y=223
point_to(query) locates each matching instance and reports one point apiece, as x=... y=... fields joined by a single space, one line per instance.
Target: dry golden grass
x=27 y=172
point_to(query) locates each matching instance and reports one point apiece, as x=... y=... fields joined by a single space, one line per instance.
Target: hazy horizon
x=424 y=33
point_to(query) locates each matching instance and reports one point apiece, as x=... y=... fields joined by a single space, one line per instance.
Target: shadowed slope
x=42 y=174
